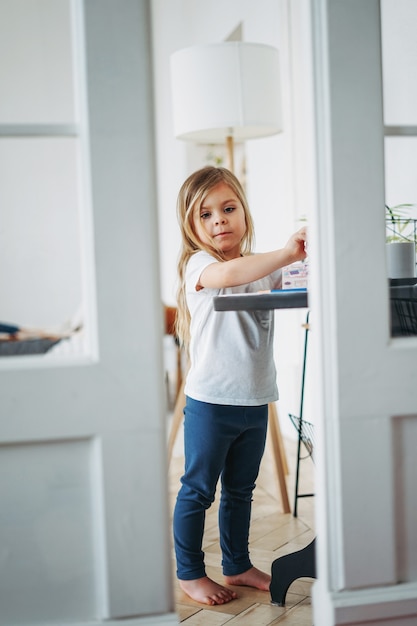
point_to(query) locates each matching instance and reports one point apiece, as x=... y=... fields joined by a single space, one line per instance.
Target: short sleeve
x=197 y=263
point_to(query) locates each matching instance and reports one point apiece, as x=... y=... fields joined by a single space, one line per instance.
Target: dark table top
x=279 y=299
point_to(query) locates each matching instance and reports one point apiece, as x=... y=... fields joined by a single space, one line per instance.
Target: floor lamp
x=228 y=92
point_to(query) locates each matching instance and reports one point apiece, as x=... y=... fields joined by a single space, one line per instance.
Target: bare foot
x=207 y=591
x=253 y=577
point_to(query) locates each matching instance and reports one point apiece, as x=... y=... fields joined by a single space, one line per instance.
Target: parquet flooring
x=273 y=534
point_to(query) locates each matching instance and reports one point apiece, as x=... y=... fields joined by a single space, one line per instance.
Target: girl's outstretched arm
x=246 y=269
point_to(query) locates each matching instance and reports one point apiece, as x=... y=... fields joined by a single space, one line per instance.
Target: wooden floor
x=273 y=534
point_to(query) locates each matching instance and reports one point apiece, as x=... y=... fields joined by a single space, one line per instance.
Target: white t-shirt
x=231 y=352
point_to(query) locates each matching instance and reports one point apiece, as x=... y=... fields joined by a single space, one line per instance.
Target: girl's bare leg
x=253 y=577
x=207 y=591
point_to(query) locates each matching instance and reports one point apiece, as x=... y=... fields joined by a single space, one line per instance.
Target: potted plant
x=401 y=241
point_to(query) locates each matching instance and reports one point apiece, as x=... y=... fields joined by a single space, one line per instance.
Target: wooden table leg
x=279 y=455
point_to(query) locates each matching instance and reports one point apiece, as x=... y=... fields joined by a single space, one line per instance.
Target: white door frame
x=367 y=396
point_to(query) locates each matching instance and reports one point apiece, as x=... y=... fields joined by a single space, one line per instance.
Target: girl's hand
x=297 y=243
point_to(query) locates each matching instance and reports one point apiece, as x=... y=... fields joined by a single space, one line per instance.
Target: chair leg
x=287 y=568
x=177 y=419
x=179 y=371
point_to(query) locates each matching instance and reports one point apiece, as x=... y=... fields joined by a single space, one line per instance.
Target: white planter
x=401 y=259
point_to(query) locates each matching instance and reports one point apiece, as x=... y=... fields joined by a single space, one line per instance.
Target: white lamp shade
x=226 y=89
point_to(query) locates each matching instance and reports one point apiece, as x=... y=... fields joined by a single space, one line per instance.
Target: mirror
x=399 y=49
x=42 y=194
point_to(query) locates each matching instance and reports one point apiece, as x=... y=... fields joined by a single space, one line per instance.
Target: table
x=266 y=300
x=403 y=300
x=286 y=569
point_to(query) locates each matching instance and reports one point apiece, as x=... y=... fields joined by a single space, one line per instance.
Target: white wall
x=177 y=25
x=276 y=198
x=40 y=218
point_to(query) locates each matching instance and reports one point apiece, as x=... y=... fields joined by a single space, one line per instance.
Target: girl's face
x=220 y=221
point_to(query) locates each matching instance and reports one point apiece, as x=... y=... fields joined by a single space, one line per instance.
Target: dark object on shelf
x=288 y=568
x=276 y=299
x=403 y=299
x=26 y=346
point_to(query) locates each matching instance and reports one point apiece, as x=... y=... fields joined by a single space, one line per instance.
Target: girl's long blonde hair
x=193 y=193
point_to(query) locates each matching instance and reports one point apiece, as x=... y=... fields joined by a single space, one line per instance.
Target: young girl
x=231 y=379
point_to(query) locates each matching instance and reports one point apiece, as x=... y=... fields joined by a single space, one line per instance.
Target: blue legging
x=219 y=441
